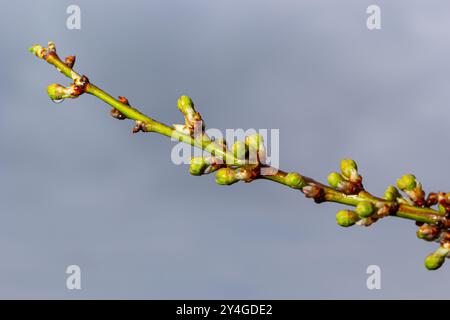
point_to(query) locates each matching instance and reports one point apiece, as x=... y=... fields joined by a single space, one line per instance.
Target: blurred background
x=77 y=188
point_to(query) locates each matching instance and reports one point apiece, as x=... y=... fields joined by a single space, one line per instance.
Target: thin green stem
x=329 y=194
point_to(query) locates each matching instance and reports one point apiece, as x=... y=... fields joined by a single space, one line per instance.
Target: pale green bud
x=364 y=209
x=436 y=259
x=226 y=176
x=349 y=168
x=335 y=179
x=295 y=180
x=407 y=182
x=346 y=218
x=185 y=105
x=198 y=166
x=391 y=193
x=57 y=92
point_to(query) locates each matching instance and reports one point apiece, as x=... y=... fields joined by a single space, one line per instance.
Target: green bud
x=185 y=105
x=226 y=176
x=197 y=166
x=239 y=149
x=346 y=218
x=391 y=193
x=436 y=259
x=334 y=179
x=349 y=168
x=295 y=180
x=364 y=209
x=407 y=182
x=57 y=92
x=38 y=51
x=255 y=141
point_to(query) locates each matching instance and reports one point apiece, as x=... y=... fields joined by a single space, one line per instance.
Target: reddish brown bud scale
x=123 y=100
x=70 y=61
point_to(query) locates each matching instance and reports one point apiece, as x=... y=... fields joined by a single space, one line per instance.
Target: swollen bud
x=335 y=179
x=346 y=218
x=226 y=176
x=407 y=182
x=364 y=209
x=185 y=105
x=391 y=193
x=197 y=166
x=57 y=92
x=349 y=169
x=295 y=180
x=436 y=259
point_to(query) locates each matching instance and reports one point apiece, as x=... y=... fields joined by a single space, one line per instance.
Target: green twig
x=245 y=161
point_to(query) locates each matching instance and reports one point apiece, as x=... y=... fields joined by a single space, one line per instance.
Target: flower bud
x=428 y=232
x=295 y=180
x=198 y=166
x=38 y=51
x=335 y=179
x=226 y=176
x=391 y=193
x=349 y=169
x=407 y=182
x=57 y=92
x=364 y=209
x=185 y=105
x=436 y=259
x=239 y=149
x=346 y=218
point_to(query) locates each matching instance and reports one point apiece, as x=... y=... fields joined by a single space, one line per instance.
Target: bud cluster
x=348 y=181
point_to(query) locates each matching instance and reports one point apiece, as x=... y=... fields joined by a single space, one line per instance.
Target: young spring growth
x=338 y=182
x=365 y=209
x=428 y=232
x=436 y=259
x=295 y=180
x=349 y=170
x=198 y=166
x=346 y=218
x=38 y=51
x=407 y=182
x=191 y=116
x=186 y=105
x=239 y=149
x=335 y=179
x=57 y=92
x=226 y=176
x=409 y=185
x=391 y=193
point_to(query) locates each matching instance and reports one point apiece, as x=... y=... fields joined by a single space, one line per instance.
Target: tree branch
x=246 y=161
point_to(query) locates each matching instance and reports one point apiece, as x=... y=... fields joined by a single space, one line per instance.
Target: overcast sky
x=76 y=188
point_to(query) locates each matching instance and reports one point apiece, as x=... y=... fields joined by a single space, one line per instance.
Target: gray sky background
x=77 y=188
